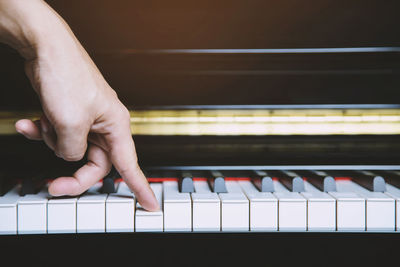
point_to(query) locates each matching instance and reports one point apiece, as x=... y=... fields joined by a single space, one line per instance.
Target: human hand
x=81 y=111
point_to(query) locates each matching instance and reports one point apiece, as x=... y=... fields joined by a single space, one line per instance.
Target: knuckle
x=70 y=122
x=72 y=157
x=124 y=114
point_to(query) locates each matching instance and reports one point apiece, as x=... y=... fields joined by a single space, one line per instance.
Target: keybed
x=213 y=201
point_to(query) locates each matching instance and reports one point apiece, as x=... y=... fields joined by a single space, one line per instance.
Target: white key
x=321 y=209
x=8 y=212
x=206 y=208
x=91 y=211
x=120 y=210
x=380 y=208
x=61 y=215
x=350 y=208
x=32 y=213
x=234 y=208
x=150 y=221
x=394 y=192
x=263 y=208
x=177 y=208
x=292 y=215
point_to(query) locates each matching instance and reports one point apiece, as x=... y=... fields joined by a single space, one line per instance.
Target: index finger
x=123 y=156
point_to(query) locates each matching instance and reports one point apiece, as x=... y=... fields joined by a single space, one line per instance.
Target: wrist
x=32 y=27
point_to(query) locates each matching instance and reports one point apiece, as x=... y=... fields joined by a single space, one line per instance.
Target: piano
x=269 y=132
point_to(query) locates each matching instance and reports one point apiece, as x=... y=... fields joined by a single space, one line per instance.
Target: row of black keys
x=293 y=180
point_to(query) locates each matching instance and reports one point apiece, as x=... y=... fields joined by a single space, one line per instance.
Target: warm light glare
x=251 y=122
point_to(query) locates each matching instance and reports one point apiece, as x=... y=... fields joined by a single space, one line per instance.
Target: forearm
x=33 y=28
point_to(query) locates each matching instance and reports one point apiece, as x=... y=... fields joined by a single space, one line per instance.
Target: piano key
x=91 y=207
x=391 y=177
x=292 y=181
x=350 y=208
x=292 y=215
x=234 y=208
x=263 y=208
x=61 y=215
x=32 y=213
x=150 y=221
x=27 y=187
x=217 y=182
x=8 y=211
x=380 y=208
x=186 y=183
x=394 y=192
x=320 y=180
x=7 y=182
x=109 y=182
x=120 y=210
x=206 y=208
x=369 y=180
x=263 y=181
x=321 y=209
x=33 y=184
x=177 y=208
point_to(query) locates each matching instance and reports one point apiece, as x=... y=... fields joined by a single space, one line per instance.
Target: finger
x=30 y=129
x=48 y=134
x=96 y=168
x=72 y=142
x=123 y=156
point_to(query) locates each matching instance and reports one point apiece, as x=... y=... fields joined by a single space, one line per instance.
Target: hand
x=81 y=111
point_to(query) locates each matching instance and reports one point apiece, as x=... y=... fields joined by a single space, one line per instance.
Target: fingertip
x=22 y=126
x=63 y=186
x=28 y=128
x=150 y=205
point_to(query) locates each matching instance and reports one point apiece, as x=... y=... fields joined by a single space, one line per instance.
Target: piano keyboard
x=262 y=201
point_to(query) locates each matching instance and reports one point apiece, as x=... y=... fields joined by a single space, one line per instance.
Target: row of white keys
x=150 y=221
x=206 y=208
x=234 y=208
x=177 y=208
x=321 y=209
x=394 y=192
x=8 y=212
x=292 y=207
x=263 y=208
x=379 y=207
x=120 y=210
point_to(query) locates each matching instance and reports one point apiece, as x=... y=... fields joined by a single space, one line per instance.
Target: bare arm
x=81 y=111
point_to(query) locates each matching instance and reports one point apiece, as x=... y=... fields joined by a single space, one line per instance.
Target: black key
x=369 y=180
x=109 y=182
x=7 y=181
x=291 y=180
x=186 y=182
x=33 y=185
x=263 y=181
x=217 y=182
x=391 y=177
x=320 y=180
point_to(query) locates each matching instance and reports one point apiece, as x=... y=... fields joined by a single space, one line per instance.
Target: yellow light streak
x=249 y=122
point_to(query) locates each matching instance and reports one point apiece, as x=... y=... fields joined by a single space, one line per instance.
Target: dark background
x=105 y=28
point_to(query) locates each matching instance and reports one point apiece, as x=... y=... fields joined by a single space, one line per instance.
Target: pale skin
x=81 y=112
